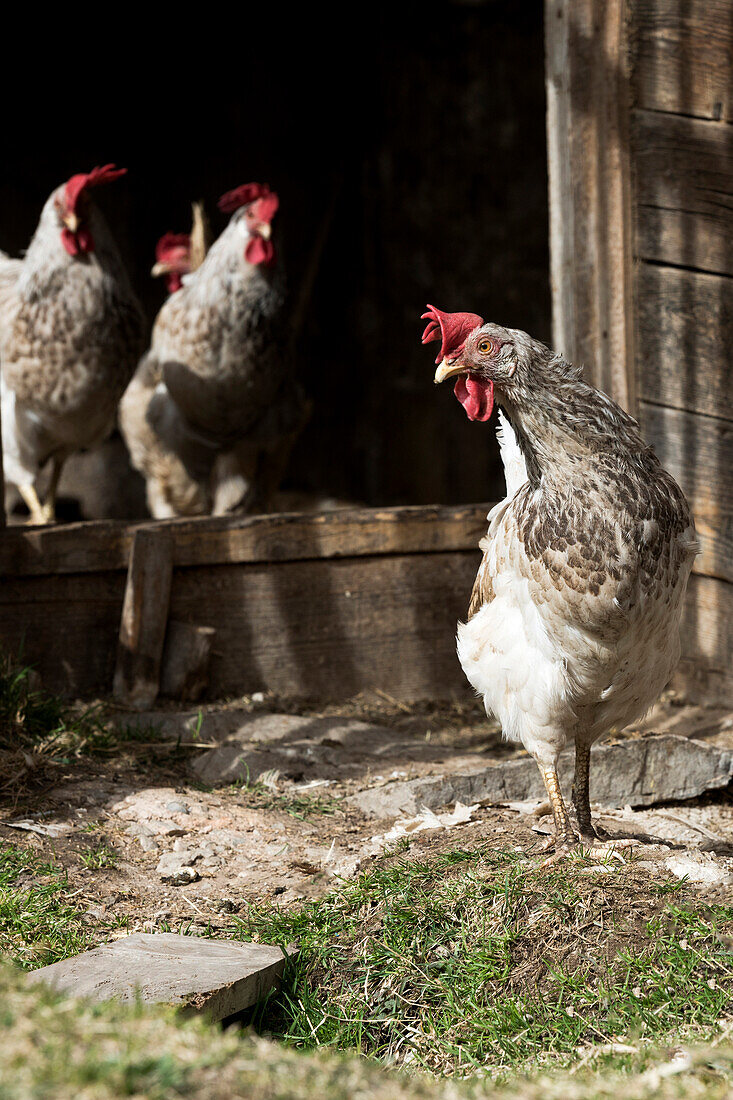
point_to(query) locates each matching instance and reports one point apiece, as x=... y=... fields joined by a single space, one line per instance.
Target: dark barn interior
x=410 y=156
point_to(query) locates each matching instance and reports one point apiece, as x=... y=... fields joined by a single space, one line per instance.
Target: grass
x=38 y=924
x=38 y=728
x=261 y=796
x=99 y=856
x=477 y=958
x=68 y=1049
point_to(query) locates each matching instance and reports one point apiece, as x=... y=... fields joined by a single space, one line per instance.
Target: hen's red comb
x=242 y=196
x=450 y=328
x=265 y=208
x=79 y=183
x=170 y=244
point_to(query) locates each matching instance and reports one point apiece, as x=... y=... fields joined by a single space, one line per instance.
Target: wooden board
x=311 y=628
x=684 y=191
x=326 y=629
x=698 y=452
x=705 y=671
x=683 y=56
x=66 y=627
x=89 y=547
x=684 y=340
x=590 y=190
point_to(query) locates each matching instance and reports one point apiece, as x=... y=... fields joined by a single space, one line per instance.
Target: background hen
x=213 y=409
x=71 y=332
x=573 y=625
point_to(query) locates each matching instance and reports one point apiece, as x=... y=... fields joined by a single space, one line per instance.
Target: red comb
x=265 y=208
x=450 y=328
x=242 y=196
x=80 y=182
x=170 y=243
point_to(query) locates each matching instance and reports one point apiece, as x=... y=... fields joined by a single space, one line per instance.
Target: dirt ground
x=145 y=844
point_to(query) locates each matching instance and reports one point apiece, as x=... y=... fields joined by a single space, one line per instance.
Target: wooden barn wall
x=681 y=142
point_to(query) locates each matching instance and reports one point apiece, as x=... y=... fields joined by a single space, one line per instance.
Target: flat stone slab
x=217 y=977
x=289 y=742
x=629 y=773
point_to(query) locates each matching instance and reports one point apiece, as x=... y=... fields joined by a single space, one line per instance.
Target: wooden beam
x=684 y=336
x=144 y=618
x=683 y=57
x=590 y=190
x=698 y=452
x=684 y=191
x=93 y=547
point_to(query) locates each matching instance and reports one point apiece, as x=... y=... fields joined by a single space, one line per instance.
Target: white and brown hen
x=573 y=624
x=71 y=332
x=217 y=382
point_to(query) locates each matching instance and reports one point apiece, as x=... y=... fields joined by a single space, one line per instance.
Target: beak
x=447 y=369
x=160 y=269
x=265 y=230
x=71 y=222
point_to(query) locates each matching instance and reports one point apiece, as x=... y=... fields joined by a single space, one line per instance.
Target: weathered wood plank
x=684 y=339
x=66 y=627
x=684 y=191
x=88 y=547
x=144 y=618
x=683 y=56
x=698 y=452
x=328 y=629
x=590 y=190
x=706 y=669
x=310 y=628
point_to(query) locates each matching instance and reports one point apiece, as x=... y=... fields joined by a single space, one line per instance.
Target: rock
x=217 y=977
x=699 y=868
x=635 y=773
x=288 y=743
x=177 y=867
x=177 y=807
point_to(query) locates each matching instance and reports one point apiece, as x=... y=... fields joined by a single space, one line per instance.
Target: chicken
x=213 y=409
x=573 y=624
x=71 y=332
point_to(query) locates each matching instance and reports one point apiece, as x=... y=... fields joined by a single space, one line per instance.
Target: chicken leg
x=581 y=792
x=36 y=509
x=565 y=838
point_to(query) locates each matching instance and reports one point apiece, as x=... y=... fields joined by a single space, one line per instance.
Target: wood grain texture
x=88 y=547
x=590 y=190
x=706 y=669
x=66 y=627
x=684 y=339
x=305 y=628
x=328 y=629
x=684 y=191
x=144 y=618
x=698 y=452
x=683 y=56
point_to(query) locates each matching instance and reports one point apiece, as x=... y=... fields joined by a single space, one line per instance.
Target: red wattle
x=76 y=243
x=476 y=396
x=259 y=251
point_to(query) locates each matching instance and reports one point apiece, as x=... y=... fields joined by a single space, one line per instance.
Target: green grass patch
x=38 y=924
x=477 y=958
x=61 y=1048
x=35 y=723
x=259 y=796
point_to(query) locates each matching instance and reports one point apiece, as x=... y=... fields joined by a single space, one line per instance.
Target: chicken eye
x=485 y=345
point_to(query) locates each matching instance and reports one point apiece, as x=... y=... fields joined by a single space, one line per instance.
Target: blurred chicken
x=213 y=409
x=573 y=625
x=71 y=332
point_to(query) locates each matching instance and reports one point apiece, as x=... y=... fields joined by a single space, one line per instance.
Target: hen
x=573 y=624
x=212 y=410
x=71 y=332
